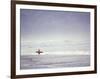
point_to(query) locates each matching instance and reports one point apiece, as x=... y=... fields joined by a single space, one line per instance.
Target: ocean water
x=53 y=61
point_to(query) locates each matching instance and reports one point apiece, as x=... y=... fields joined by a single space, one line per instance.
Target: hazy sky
x=47 y=28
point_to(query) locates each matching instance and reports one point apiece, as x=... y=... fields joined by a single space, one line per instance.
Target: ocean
x=53 y=61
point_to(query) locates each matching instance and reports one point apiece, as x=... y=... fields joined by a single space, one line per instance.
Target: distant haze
x=54 y=32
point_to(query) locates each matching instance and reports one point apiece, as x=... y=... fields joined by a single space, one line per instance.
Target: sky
x=54 y=31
